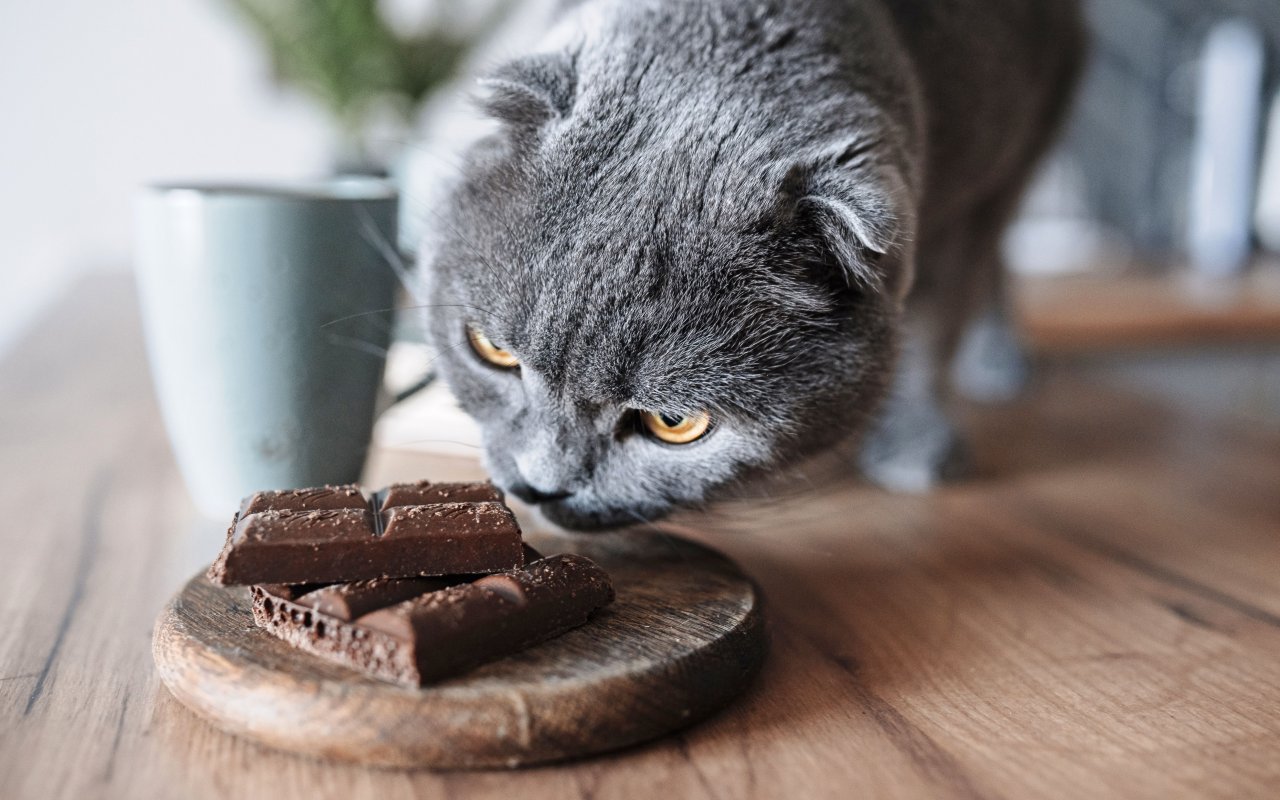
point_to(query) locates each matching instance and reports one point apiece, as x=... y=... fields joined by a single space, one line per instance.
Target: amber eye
x=676 y=428
x=486 y=349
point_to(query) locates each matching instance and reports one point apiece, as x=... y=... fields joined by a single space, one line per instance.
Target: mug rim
x=335 y=189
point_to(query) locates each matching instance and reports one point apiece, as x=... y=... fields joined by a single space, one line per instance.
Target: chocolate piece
x=318 y=499
x=346 y=601
x=291 y=591
x=459 y=533
x=343 y=545
x=425 y=492
x=445 y=632
x=349 y=600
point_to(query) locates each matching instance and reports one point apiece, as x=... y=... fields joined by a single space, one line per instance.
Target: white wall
x=97 y=98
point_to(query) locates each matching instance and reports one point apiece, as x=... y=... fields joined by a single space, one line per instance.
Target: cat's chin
x=587 y=521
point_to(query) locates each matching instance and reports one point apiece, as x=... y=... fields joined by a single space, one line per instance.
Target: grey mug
x=267 y=318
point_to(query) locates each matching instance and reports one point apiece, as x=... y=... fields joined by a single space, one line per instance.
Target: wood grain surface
x=1095 y=615
x=683 y=638
x=1090 y=314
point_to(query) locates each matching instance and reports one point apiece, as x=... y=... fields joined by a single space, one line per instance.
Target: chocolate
x=346 y=601
x=425 y=492
x=323 y=536
x=317 y=499
x=447 y=631
x=460 y=535
x=292 y=592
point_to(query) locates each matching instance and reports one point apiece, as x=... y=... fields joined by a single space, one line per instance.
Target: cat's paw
x=911 y=451
x=991 y=365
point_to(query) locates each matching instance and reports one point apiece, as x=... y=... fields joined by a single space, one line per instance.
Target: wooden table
x=1097 y=615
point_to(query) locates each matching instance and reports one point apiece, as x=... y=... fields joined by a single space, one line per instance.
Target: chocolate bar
x=441 y=632
x=333 y=534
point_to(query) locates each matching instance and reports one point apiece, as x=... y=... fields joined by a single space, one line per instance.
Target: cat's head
x=642 y=306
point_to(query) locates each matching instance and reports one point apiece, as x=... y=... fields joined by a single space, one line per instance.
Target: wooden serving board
x=684 y=637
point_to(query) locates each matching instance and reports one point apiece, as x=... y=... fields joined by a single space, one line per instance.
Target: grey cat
x=712 y=237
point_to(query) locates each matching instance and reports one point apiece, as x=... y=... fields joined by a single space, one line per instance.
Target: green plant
x=348 y=56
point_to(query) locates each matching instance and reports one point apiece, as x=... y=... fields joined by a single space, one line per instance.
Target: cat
x=713 y=238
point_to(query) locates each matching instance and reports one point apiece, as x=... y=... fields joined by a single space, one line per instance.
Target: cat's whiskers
x=486 y=312
x=409 y=442
x=389 y=252
x=356 y=344
x=439 y=355
x=648 y=525
x=772 y=541
x=420 y=306
x=358 y=315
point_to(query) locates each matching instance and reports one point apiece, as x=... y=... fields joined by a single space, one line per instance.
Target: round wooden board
x=684 y=637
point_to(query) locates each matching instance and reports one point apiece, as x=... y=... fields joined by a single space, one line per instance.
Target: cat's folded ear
x=862 y=212
x=531 y=91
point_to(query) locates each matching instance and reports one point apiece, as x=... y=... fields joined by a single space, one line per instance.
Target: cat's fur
x=777 y=211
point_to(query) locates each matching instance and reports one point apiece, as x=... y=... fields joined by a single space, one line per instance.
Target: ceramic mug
x=267 y=312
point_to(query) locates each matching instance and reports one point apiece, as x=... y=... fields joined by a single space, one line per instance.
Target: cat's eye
x=676 y=428
x=486 y=349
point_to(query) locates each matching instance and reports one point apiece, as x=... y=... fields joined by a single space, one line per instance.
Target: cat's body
x=775 y=212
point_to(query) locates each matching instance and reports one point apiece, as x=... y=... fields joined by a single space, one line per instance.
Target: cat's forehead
x=669 y=337
x=604 y=318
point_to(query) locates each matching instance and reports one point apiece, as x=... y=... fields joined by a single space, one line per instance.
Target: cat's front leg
x=913 y=444
x=991 y=365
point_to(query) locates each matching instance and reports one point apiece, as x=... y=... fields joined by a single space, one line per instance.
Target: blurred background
x=1146 y=253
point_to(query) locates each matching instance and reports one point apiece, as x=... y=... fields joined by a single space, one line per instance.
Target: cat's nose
x=544 y=470
x=532 y=495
